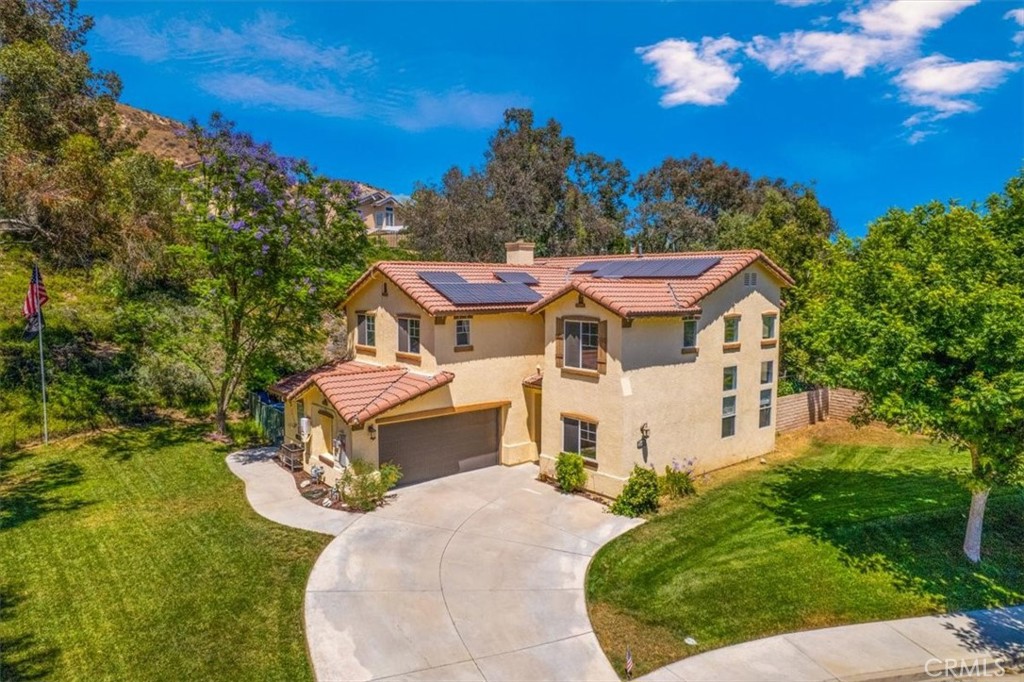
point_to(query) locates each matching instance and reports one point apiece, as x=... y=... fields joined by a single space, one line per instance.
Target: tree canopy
x=269 y=245
x=534 y=185
x=926 y=315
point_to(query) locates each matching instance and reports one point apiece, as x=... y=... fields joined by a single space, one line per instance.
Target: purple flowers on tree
x=272 y=245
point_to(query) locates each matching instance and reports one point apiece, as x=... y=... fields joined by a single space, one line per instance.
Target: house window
x=728 y=416
x=366 y=329
x=389 y=217
x=729 y=379
x=768 y=326
x=300 y=409
x=409 y=335
x=462 y=335
x=581 y=340
x=765 y=418
x=689 y=333
x=767 y=371
x=732 y=329
x=579 y=436
x=750 y=279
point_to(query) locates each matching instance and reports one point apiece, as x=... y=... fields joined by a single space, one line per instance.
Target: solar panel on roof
x=516 y=277
x=649 y=267
x=432 y=276
x=465 y=293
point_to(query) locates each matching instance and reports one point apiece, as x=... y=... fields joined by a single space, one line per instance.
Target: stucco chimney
x=519 y=252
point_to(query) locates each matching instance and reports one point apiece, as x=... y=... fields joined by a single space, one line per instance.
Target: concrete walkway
x=271 y=492
x=972 y=645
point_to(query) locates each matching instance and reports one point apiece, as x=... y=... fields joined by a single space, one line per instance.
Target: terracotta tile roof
x=534 y=380
x=656 y=296
x=360 y=391
x=625 y=297
x=403 y=274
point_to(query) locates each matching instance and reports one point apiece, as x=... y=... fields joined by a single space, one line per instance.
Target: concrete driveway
x=477 y=576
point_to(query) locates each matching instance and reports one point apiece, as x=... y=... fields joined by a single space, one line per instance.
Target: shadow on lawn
x=909 y=525
x=35 y=492
x=21 y=656
x=124 y=444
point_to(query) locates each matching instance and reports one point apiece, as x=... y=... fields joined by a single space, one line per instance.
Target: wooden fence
x=810 y=407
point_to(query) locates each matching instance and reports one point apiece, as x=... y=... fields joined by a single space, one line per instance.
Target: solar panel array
x=460 y=292
x=516 y=277
x=648 y=267
x=432 y=276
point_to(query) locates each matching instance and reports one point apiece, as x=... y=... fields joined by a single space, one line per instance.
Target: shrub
x=363 y=487
x=678 y=480
x=640 y=494
x=570 y=472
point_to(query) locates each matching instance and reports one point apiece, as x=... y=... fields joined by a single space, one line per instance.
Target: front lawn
x=861 y=526
x=134 y=555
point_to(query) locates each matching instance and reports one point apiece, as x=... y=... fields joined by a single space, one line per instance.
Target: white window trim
x=565 y=344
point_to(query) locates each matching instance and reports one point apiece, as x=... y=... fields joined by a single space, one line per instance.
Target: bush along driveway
x=862 y=528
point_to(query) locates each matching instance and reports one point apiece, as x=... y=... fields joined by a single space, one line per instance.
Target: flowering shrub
x=570 y=472
x=363 y=487
x=640 y=494
x=678 y=479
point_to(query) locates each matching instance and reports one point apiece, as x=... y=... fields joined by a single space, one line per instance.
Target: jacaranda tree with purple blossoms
x=268 y=245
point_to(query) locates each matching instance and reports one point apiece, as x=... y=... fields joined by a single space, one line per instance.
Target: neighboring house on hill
x=381 y=212
x=625 y=359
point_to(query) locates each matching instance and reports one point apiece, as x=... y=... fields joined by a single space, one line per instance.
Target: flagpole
x=42 y=367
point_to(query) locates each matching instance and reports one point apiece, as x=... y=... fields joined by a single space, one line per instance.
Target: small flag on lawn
x=629 y=664
x=32 y=308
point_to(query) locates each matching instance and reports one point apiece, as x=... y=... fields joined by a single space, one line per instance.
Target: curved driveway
x=477 y=576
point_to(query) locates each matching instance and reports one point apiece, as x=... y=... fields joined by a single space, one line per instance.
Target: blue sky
x=879 y=103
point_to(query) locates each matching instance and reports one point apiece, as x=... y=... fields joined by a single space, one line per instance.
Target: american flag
x=32 y=308
x=629 y=663
x=36 y=294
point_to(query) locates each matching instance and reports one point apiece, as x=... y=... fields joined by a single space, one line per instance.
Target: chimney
x=519 y=252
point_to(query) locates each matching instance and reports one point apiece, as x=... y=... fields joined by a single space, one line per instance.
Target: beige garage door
x=441 y=446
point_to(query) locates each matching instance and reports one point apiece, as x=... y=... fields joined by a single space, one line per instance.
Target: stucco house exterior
x=381 y=212
x=625 y=359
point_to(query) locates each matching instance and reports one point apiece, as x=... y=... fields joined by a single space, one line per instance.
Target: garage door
x=441 y=446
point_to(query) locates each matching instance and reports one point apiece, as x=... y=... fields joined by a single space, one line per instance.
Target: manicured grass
x=134 y=555
x=859 y=527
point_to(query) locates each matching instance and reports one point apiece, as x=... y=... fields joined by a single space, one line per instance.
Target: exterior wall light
x=645 y=432
x=372 y=431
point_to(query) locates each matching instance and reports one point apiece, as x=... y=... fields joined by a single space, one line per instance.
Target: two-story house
x=381 y=212
x=624 y=359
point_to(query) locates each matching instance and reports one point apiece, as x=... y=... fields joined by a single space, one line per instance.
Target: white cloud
x=455 y=109
x=942 y=86
x=1016 y=15
x=883 y=33
x=694 y=73
x=919 y=135
x=905 y=18
x=324 y=98
x=264 y=39
x=800 y=3
x=824 y=52
x=233 y=63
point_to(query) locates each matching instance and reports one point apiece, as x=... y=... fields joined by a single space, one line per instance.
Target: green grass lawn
x=847 y=532
x=134 y=555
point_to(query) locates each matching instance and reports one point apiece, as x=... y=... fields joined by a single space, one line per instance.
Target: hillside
x=159 y=137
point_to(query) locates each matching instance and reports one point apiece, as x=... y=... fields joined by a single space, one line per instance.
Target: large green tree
x=926 y=316
x=534 y=185
x=269 y=246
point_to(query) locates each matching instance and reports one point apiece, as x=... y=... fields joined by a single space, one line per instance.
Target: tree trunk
x=972 y=539
x=222 y=421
